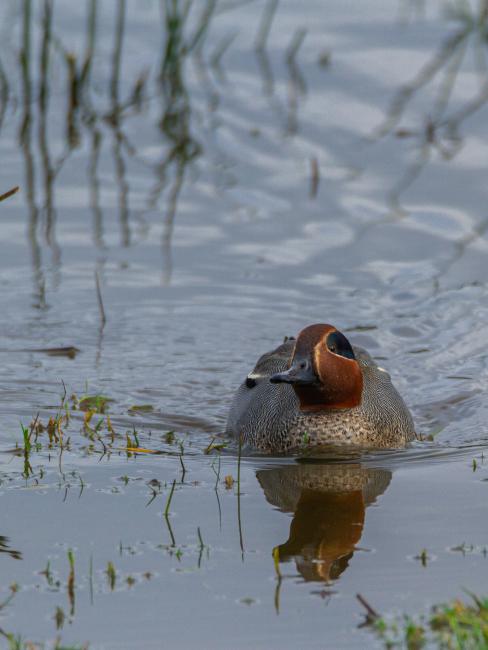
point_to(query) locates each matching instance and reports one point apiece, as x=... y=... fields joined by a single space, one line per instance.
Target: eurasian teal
x=319 y=390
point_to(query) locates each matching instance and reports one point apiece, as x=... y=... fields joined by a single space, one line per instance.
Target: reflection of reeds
x=296 y=82
x=91 y=30
x=4 y=94
x=114 y=121
x=93 y=111
x=440 y=131
x=84 y=120
x=25 y=135
x=47 y=167
x=176 y=112
x=95 y=142
x=6 y=548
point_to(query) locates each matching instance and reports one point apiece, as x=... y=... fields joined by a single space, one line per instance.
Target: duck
x=318 y=390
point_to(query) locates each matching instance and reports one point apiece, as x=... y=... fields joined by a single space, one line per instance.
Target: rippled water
x=231 y=177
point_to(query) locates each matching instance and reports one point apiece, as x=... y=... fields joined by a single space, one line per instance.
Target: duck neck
x=315 y=398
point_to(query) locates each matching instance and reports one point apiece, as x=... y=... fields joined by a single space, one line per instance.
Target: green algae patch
x=140 y=408
x=95 y=403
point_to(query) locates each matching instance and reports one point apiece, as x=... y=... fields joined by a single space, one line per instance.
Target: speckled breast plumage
x=268 y=416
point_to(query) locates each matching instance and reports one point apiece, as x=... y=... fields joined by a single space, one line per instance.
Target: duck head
x=324 y=371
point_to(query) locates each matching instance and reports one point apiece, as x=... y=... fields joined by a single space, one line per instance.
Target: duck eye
x=338 y=344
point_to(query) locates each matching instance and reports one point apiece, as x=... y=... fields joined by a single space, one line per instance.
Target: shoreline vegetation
x=452 y=625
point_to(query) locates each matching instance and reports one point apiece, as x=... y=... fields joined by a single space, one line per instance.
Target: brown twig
x=371 y=614
x=10 y=193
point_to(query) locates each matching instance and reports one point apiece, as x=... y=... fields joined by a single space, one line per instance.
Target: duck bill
x=300 y=373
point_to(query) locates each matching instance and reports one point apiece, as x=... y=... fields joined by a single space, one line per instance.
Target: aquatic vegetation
x=440 y=79
x=141 y=408
x=132 y=443
x=71 y=581
x=450 y=625
x=168 y=501
x=27 y=448
x=229 y=482
x=47 y=573
x=201 y=548
x=13 y=588
x=96 y=426
x=90 y=403
x=59 y=618
x=214 y=446
x=15 y=641
x=468 y=549
x=169 y=437
x=6 y=548
x=111 y=575
x=422 y=557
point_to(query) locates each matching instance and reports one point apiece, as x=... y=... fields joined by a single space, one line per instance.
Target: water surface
x=233 y=174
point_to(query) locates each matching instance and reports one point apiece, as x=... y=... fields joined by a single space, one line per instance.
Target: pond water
x=232 y=171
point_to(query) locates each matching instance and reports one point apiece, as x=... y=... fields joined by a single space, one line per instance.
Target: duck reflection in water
x=328 y=502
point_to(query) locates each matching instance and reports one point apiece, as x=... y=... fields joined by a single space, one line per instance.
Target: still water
x=233 y=171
